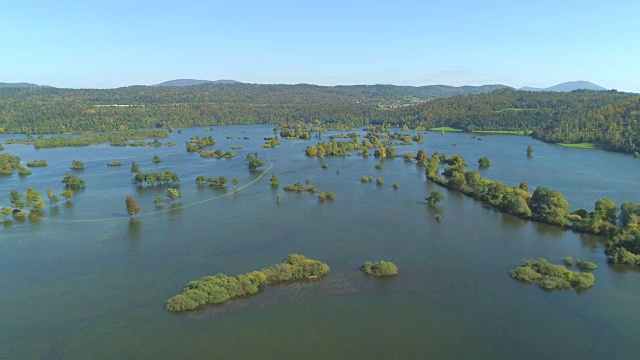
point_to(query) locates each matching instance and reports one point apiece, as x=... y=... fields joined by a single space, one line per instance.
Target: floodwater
x=84 y=281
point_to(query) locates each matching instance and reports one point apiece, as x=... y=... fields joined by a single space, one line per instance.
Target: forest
x=609 y=119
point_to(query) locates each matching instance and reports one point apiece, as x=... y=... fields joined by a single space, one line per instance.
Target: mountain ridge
x=195 y=82
x=567 y=87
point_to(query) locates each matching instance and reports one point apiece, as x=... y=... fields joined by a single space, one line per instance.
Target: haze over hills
x=567 y=87
x=192 y=82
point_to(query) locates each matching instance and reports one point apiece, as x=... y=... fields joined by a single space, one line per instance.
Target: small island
x=220 y=288
x=381 y=268
x=550 y=276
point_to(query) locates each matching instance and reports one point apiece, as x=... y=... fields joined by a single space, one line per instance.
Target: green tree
x=627 y=210
x=484 y=162
x=434 y=198
x=134 y=167
x=159 y=200
x=606 y=210
x=274 y=180
x=254 y=161
x=5 y=211
x=421 y=157
x=34 y=200
x=173 y=194
x=77 y=165
x=53 y=198
x=67 y=194
x=235 y=182
x=156 y=159
x=16 y=200
x=72 y=181
x=549 y=207
x=131 y=206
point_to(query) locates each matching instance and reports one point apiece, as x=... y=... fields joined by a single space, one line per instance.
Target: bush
x=381 y=268
x=568 y=261
x=77 y=165
x=585 y=265
x=327 y=195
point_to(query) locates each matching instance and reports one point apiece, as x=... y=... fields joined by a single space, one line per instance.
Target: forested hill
x=255 y=94
x=607 y=117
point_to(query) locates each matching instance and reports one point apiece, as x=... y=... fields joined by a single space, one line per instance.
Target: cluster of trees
x=8 y=163
x=550 y=276
x=33 y=201
x=213 y=181
x=154 y=143
x=271 y=142
x=172 y=193
x=37 y=163
x=326 y=195
x=380 y=268
x=295 y=131
x=217 y=154
x=77 y=165
x=72 y=181
x=621 y=225
x=544 y=205
x=196 y=144
x=220 y=288
x=299 y=187
x=157 y=178
x=118 y=138
x=254 y=161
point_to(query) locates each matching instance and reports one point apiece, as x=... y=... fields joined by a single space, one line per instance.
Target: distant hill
x=567 y=87
x=192 y=82
x=17 y=85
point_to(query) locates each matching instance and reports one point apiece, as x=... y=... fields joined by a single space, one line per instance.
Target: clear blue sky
x=104 y=44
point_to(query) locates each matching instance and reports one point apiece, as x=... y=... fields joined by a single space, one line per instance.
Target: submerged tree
x=67 y=194
x=16 y=200
x=274 y=180
x=484 y=162
x=53 y=198
x=72 y=181
x=134 y=167
x=34 y=200
x=5 y=211
x=529 y=150
x=131 y=205
x=173 y=194
x=434 y=198
x=254 y=161
x=77 y=165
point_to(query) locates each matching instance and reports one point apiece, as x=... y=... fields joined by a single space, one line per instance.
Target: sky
x=107 y=44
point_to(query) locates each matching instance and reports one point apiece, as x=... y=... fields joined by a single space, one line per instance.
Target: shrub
x=381 y=268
